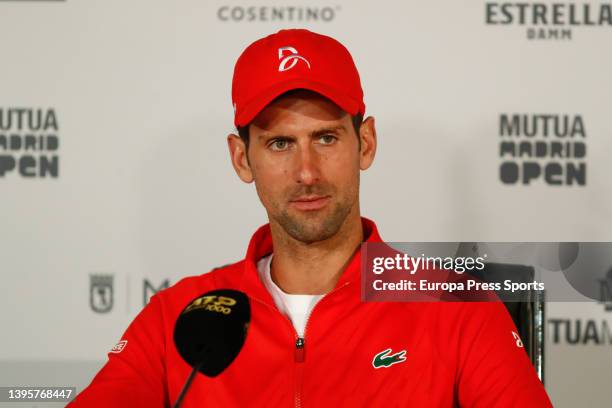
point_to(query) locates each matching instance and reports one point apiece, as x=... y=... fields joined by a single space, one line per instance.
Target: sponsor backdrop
x=115 y=182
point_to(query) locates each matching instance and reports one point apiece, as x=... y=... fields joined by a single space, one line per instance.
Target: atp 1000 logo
x=549 y=149
x=211 y=303
x=29 y=143
x=549 y=21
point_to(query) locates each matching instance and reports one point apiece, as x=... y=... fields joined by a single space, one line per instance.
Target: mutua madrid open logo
x=549 y=21
x=548 y=148
x=605 y=291
x=586 y=331
x=577 y=332
x=29 y=143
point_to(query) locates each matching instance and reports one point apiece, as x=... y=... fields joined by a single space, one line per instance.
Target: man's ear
x=367 y=135
x=238 y=156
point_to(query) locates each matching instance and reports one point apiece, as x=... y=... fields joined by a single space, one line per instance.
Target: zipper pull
x=299 y=350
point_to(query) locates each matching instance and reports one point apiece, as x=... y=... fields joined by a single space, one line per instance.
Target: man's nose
x=308 y=161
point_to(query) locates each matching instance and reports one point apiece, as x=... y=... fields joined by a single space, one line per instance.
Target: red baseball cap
x=294 y=59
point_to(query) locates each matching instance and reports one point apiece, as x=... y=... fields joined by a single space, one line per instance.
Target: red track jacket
x=354 y=354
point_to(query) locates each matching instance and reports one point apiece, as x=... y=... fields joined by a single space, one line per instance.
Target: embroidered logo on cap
x=292 y=58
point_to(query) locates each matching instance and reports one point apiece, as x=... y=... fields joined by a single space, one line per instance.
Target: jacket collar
x=261 y=245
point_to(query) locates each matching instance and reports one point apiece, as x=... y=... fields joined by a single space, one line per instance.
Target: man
x=311 y=341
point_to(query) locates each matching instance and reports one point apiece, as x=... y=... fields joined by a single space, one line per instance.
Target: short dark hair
x=243 y=131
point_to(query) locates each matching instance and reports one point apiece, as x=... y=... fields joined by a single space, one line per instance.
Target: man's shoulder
x=467 y=320
x=455 y=311
x=227 y=276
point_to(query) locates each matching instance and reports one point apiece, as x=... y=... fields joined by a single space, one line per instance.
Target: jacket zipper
x=300 y=343
x=300 y=349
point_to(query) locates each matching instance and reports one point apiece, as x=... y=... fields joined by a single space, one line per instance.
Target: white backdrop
x=140 y=91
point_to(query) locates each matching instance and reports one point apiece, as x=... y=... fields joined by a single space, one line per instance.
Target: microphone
x=210 y=332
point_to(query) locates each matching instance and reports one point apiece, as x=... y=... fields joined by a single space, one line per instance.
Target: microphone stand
x=195 y=370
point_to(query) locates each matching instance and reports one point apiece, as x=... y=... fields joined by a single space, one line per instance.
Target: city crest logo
x=101 y=293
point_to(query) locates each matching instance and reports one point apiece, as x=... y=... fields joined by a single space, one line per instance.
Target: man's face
x=304 y=157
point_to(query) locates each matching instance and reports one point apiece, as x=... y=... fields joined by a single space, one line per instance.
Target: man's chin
x=311 y=226
x=310 y=236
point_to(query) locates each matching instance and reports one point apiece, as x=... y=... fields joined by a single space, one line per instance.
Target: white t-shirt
x=296 y=307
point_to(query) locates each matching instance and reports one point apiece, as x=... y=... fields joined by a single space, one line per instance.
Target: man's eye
x=279 y=144
x=327 y=139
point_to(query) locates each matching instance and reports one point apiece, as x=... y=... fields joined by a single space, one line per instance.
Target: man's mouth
x=310 y=203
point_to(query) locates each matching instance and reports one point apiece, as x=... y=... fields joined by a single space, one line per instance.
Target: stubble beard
x=319 y=225
x=309 y=229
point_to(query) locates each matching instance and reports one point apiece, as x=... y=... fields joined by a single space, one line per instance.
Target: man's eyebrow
x=334 y=129
x=270 y=136
x=323 y=131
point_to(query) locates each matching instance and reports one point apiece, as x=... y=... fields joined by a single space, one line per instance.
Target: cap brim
x=257 y=104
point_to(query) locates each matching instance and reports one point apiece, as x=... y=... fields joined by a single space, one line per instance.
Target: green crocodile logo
x=384 y=359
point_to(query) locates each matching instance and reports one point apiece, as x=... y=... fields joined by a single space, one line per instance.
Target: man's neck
x=314 y=268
